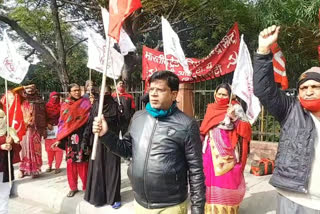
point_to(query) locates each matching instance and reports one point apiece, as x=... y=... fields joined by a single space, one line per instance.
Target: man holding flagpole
x=119 y=11
x=165 y=147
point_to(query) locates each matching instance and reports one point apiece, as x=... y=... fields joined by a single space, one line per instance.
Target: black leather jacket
x=164 y=153
x=296 y=145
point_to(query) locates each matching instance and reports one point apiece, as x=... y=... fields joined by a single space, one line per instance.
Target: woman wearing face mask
x=53 y=112
x=227 y=133
x=128 y=104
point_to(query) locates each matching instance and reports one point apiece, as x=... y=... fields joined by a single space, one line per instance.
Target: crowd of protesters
x=171 y=157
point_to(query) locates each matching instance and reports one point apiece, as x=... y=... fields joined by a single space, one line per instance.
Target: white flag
x=242 y=83
x=13 y=67
x=96 y=51
x=171 y=44
x=97 y=55
x=115 y=64
x=105 y=20
x=125 y=42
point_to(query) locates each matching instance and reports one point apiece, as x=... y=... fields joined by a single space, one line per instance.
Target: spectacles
x=157 y=90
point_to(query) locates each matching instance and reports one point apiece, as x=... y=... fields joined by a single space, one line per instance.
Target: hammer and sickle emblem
x=232 y=59
x=8 y=63
x=14 y=122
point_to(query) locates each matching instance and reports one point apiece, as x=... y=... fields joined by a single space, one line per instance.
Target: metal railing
x=266 y=128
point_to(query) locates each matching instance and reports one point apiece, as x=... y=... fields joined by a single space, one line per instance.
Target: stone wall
x=262 y=149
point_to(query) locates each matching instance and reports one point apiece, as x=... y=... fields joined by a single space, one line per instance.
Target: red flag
x=15 y=113
x=279 y=66
x=119 y=10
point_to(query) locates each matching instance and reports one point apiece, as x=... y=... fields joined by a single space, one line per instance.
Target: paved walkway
x=23 y=206
x=49 y=192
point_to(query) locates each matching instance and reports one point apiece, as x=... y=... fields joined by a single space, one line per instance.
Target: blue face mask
x=158 y=113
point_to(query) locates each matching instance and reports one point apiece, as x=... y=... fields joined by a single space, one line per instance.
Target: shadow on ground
x=260 y=203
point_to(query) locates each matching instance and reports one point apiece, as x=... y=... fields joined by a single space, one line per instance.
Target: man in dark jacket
x=297 y=168
x=165 y=147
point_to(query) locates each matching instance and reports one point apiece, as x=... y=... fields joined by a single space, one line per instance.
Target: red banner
x=221 y=60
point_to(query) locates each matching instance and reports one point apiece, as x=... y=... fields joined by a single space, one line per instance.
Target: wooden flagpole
x=90 y=80
x=262 y=124
x=165 y=60
x=102 y=91
x=117 y=93
x=7 y=116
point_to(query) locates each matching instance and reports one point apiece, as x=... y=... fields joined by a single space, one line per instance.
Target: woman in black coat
x=103 y=183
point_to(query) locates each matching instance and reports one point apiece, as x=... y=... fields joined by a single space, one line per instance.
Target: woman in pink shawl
x=227 y=134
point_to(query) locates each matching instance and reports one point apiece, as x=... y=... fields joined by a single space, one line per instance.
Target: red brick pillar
x=185 y=99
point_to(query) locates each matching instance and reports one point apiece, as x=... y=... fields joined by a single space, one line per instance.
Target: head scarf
x=215 y=113
x=53 y=108
x=39 y=112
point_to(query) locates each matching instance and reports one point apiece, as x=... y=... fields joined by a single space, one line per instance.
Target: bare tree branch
x=30 y=54
x=73 y=21
x=81 y=5
x=28 y=39
x=62 y=63
x=150 y=28
x=172 y=9
x=39 y=3
x=76 y=44
x=61 y=5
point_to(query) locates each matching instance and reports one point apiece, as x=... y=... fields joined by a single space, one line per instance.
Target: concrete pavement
x=22 y=206
x=50 y=190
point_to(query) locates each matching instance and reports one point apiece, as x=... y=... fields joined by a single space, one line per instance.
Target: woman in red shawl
x=225 y=147
x=74 y=115
x=53 y=114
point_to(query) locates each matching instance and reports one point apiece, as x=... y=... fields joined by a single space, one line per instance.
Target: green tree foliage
x=55 y=40
x=299 y=36
x=200 y=25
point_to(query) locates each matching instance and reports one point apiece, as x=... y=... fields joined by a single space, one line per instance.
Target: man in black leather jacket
x=297 y=165
x=165 y=147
